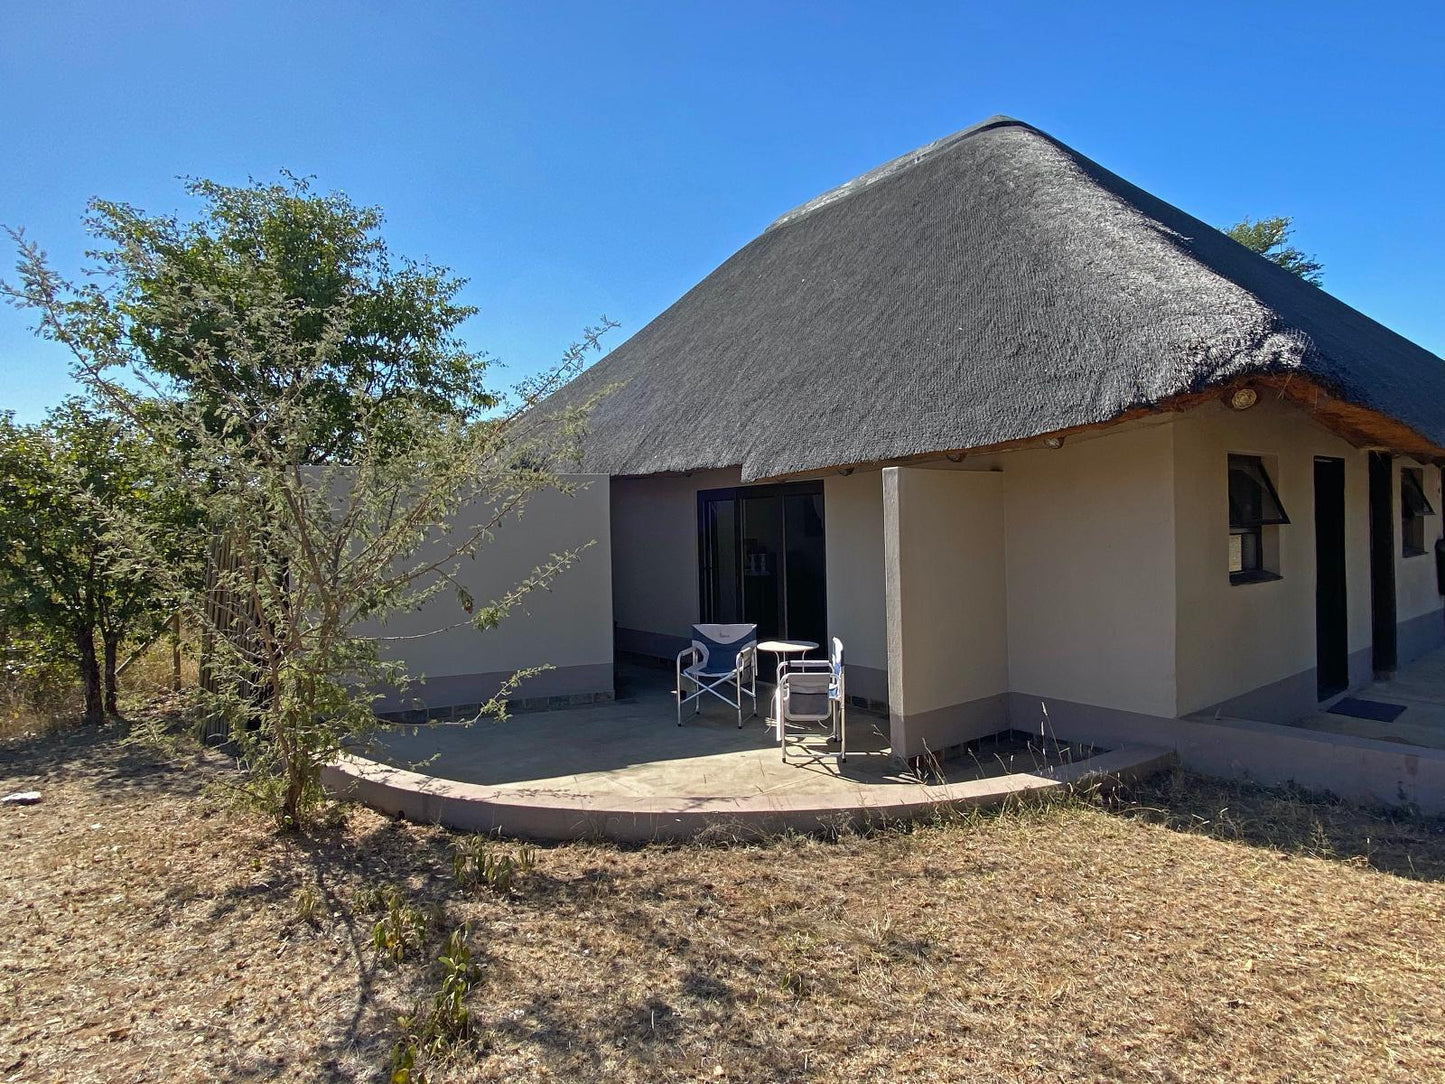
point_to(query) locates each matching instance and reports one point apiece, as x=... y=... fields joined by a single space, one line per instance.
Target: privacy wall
x=567 y=628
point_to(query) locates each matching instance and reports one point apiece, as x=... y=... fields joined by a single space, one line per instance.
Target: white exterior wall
x=1237 y=638
x=1091 y=568
x=1111 y=571
x=1415 y=586
x=948 y=662
x=853 y=525
x=568 y=627
x=655 y=573
x=654 y=558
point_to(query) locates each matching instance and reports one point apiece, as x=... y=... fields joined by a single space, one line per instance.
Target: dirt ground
x=1191 y=931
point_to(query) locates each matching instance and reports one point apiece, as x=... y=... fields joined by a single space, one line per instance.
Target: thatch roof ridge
x=990 y=287
x=891 y=167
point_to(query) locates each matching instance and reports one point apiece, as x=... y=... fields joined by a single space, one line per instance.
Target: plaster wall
x=654 y=558
x=948 y=662
x=1236 y=638
x=568 y=627
x=1090 y=565
x=1415 y=587
x=853 y=525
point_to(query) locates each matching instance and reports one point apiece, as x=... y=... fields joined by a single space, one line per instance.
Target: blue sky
x=577 y=159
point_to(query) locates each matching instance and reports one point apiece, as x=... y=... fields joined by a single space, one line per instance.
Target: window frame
x=1414 y=507
x=1251 y=530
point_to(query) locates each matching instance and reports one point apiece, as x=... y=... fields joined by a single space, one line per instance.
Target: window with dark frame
x=1414 y=507
x=1253 y=506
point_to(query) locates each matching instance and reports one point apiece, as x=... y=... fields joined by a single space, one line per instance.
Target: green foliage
x=435 y=1028
x=323 y=253
x=322 y=416
x=78 y=492
x=37 y=678
x=401 y=930
x=1270 y=238
x=478 y=862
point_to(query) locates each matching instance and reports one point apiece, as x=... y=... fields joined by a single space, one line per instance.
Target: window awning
x=1253 y=501
x=1412 y=496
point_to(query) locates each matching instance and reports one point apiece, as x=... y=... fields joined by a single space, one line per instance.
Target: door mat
x=1368 y=709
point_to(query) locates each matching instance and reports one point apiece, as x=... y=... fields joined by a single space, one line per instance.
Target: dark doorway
x=761 y=558
x=1332 y=644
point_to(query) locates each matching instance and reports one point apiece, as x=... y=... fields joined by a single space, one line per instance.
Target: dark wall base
x=1362 y=668
x=657 y=645
x=868 y=683
x=1419 y=636
x=1282 y=701
x=931 y=732
x=1362 y=770
x=445 y=697
x=1295 y=697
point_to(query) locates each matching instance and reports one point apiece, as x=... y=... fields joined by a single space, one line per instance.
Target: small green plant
x=402 y=927
x=478 y=862
x=308 y=905
x=436 y=1027
x=796 y=956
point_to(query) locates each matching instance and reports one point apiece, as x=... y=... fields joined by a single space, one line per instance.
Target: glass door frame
x=737 y=494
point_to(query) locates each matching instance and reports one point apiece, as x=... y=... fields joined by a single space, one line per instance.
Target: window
x=1254 y=506
x=1414 y=507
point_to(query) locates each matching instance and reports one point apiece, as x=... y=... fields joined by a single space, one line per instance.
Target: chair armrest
x=747 y=657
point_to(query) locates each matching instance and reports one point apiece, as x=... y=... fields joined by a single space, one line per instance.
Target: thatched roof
x=992 y=286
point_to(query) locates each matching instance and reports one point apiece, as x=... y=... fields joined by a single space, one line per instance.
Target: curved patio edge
x=553 y=815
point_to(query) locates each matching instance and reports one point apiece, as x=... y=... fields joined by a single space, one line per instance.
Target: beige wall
x=1114 y=569
x=1238 y=638
x=946 y=605
x=1090 y=570
x=654 y=555
x=853 y=521
x=1415 y=585
x=655 y=574
x=568 y=627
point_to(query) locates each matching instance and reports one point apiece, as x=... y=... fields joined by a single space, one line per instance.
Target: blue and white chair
x=812 y=691
x=720 y=655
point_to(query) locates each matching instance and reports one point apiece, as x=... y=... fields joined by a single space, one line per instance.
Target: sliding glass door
x=761 y=559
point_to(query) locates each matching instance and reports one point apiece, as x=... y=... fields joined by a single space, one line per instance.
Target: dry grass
x=154 y=934
x=50 y=700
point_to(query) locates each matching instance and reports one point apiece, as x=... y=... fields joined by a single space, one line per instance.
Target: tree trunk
x=176 y=652
x=90 y=676
x=112 y=648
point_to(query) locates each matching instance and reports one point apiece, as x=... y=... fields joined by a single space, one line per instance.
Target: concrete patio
x=1419 y=688
x=626 y=771
x=632 y=746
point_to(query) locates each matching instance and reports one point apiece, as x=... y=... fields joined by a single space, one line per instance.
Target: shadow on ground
x=1292 y=821
x=100 y=754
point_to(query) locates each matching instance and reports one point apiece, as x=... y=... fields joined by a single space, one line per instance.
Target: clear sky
x=578 y=159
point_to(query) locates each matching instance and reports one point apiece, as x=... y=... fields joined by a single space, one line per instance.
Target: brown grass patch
x=1191 y=932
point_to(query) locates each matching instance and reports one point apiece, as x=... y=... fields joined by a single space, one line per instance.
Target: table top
x=785 y=647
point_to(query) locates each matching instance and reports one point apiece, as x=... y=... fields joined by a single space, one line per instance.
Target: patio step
x=554 y=814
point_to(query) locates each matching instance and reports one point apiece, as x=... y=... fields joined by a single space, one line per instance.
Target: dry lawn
x=1194 y=932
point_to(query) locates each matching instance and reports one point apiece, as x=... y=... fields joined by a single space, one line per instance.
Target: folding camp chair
x=719 y=654
x=812 y=691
